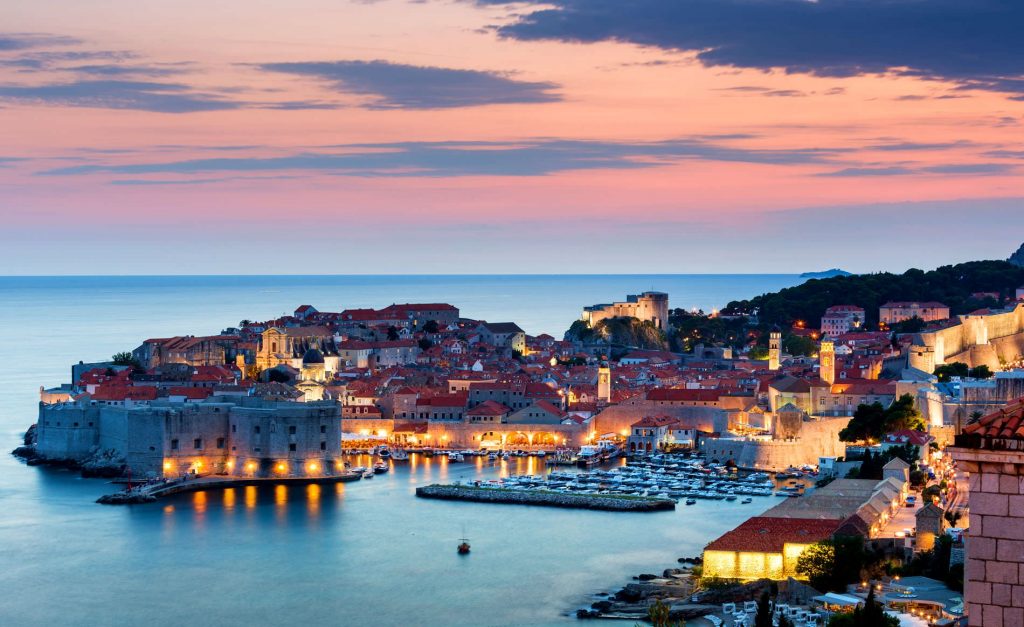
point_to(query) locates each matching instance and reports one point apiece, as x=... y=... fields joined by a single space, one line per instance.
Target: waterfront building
x=648 y=306
x=991 y=451
x=840 y=319
x=764 y=547
x=240 y=436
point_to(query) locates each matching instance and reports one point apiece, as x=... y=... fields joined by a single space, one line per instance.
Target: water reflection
x=229 y=499
x=313 y=500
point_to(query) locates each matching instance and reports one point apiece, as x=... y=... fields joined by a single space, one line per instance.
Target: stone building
x=930 y=524
x=992 y=452
x=893 y=311
x=840 y=319
x=648 y=306
x=243 y=436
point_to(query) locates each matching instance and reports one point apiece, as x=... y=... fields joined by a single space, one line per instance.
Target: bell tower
x=827 y=361
x=604 y=383
x=774 y=349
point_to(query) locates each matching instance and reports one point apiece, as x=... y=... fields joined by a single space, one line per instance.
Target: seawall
x=615 y=503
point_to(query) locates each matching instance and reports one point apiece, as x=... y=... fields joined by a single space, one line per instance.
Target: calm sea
x=364 y=553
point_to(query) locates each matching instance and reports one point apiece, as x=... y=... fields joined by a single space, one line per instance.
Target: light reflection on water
x=368 y=552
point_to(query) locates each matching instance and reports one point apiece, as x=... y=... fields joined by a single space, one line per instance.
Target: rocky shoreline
x=676 y=588
x=101 y=464
x=604 y=502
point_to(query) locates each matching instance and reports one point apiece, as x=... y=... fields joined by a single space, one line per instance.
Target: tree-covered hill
x=621 y=332
x=951 y=285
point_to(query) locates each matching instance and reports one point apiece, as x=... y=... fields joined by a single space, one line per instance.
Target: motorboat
x=456 y=457
x=368 y=474
x=380 y=467
x=400 y=455
x=384 y=452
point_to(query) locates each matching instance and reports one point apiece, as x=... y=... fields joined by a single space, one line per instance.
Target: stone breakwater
x=606 y=502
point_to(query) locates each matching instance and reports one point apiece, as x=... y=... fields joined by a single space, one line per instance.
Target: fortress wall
x=1005 y=331
x=67 y=432
x=818 y=438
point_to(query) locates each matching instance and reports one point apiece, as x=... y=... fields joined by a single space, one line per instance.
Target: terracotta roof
x=763 y=534
x=488 y=408
x=1007 y=422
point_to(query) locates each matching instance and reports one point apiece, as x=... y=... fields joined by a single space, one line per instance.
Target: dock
x=149 y=492
x=604 y=502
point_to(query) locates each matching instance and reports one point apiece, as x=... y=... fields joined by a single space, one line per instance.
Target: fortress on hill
x=649 y=306
x=990 y=339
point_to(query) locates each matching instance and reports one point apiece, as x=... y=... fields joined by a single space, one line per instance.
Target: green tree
x=126 y=359
x=870 y=614
x=799 y=345
x=392 y=333
x=981 y=372
x=832 y=564
x=871 y=422
x=947 y=371
x=659 y=614
x=431 y=326
x=763 y=618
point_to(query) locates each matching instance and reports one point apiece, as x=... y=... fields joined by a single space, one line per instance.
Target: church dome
x=312 y=357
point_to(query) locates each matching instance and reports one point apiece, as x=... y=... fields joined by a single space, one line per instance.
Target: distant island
x=825 y=274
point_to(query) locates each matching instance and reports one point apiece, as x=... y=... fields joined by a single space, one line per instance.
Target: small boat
x=492 y=456
x=380 y=467
x=399 y=455
x=691 y=501
x=747 y=500
x=384 y=452
x=368 y=474
x=463 y=548
x=359 y=469
x=456 y=457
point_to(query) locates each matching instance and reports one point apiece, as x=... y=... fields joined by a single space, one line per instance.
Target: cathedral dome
x=312 y=357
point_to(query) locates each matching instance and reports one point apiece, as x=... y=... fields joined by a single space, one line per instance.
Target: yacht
x=399 y=455
x=380 y=467
x=456 y=457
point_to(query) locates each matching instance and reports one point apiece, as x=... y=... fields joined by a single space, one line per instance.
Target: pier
x=605 y=502
x=149 y=492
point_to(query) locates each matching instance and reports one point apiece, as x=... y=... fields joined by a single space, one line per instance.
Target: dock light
x=426 y=436
x=230 y=464
x=281 y=467
x=199 y=464
x=250 y=466
x=167 y=465
x=313 y=467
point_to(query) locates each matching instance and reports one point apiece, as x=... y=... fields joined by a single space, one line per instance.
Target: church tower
x=827 y=361
x=774 y=349
x=604 y=383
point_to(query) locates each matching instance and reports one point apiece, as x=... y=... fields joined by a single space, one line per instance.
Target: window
x=291 y=430
x=76 y=424
x=323 y=446
x=291 y=447
x=256 y=429
x=323 y=428
x=220 y=442
x=174 y=445
x=198 y=443
x=90 y=424
x=234 y=428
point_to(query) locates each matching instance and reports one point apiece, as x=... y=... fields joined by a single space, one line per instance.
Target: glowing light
x=364 y=432
x=281 y=467
x=250 y=466
x=167 y=465
x=230 y=464
x=381 y=432
x=313 y=467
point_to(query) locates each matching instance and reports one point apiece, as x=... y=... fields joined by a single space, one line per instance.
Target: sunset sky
x=640 y=136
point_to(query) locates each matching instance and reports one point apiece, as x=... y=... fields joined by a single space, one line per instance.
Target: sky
x=478 y=136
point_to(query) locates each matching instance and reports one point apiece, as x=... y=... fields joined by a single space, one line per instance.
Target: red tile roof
x=763 y=534
x=1007 y=422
